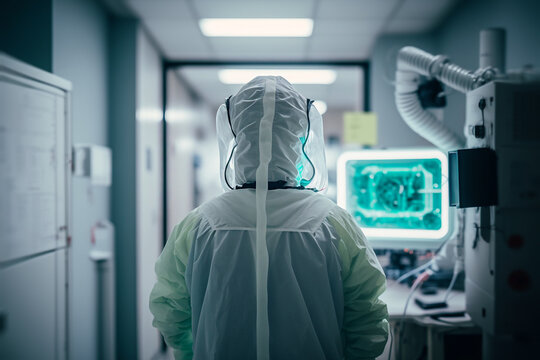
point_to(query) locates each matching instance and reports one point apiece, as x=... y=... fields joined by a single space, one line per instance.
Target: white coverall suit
x=270 y=269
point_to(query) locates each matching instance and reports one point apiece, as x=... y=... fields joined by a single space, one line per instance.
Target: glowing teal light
x=300 y=166
x=395 y=194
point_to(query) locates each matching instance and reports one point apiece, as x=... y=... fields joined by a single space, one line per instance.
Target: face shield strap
x=227 y=105
x=304 y=182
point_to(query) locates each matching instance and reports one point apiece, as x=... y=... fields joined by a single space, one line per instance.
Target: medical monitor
x=398 y=197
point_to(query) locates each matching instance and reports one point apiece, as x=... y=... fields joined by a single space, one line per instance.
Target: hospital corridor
x=269 y=180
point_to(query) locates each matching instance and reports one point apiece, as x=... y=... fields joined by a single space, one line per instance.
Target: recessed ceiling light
x=179 y=115
x=294 y=76
x=149 y=115
x=257 y=27
x=321 y=106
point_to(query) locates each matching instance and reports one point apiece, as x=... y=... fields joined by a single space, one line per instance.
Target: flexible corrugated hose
x=412 y=63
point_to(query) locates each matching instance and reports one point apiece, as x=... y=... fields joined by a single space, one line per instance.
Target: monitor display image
x=398 y=197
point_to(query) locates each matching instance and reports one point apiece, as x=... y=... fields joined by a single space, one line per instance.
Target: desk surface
x=396 y=295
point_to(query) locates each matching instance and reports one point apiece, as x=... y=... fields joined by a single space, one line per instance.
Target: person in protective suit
x=270 y=269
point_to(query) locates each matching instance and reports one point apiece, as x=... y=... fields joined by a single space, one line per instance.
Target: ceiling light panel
x=263 y=27
x=321 y=106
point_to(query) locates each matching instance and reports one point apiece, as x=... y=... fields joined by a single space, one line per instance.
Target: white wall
x=80 y=55
x=191 y=138
x=149 y=164
x=333 y=122
x=181 y=141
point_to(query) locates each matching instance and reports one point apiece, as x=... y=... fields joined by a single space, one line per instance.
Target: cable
x=452 y=282
x=422 y=267
x=419 y=280
x=391 y=342
x=414 y=272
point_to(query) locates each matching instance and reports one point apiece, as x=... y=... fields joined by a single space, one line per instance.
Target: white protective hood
x=288 y=131
x=269 y=133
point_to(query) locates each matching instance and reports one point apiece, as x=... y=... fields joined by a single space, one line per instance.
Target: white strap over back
x=261 y=251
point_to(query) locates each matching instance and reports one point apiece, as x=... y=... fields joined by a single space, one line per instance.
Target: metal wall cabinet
x=35 y=173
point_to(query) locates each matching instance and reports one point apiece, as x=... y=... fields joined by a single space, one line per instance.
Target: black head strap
x=227 y=104
x=272 y=185
x=309 y=102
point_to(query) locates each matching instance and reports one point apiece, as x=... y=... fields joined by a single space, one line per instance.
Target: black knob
x=478 y=131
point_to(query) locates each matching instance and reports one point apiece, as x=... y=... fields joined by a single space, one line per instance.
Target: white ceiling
x=343 y=29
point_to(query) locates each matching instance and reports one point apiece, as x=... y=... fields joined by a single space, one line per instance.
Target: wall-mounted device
x=94 y=162
x=473 y=177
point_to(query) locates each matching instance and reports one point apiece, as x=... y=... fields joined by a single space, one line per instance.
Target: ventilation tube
x=412 y=63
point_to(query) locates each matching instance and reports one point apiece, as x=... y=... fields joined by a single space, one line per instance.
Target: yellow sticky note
x=360 y=128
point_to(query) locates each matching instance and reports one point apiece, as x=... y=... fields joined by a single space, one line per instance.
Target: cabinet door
x=33 y=168
x=32 y=322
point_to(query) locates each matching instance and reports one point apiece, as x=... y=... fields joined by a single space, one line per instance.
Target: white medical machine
x=494 y=179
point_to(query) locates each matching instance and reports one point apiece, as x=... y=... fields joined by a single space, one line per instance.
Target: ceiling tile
x=254 y=9
x=343 y=29
x=417 y=16
x=355 y=9
x=412 y=9
x=347 y=27
x=176 y=50
x=179 y=38
x=256 y=48
x=359 y=53
x=261 y=56
x=409 y=26
x=356 y=55
x=161 y=9
x=346 y=44
x=174 y=28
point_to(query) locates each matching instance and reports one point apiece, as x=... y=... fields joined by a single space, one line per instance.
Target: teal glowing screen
x=395 y=193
